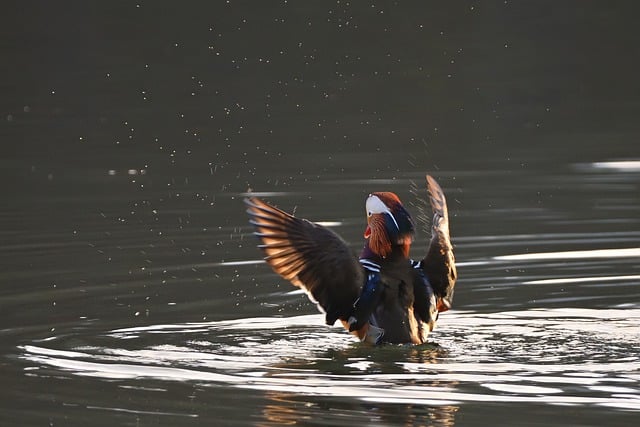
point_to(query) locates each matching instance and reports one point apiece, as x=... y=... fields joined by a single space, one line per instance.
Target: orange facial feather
x=378 y=238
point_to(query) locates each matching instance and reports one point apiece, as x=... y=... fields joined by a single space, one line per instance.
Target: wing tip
x=437 y=198
x=251 y=200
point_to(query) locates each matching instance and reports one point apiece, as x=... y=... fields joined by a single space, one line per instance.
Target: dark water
x=131 y=291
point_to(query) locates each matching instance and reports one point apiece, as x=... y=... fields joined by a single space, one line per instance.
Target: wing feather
x=310 y=256
x=439 y=263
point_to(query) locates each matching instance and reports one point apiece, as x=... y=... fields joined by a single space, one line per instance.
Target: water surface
x=131 y=290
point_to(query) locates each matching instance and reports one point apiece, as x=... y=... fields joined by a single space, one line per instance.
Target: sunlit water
x=541 y=330
x=519 y=356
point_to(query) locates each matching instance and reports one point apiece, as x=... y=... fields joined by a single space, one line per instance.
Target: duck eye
x=369 y=213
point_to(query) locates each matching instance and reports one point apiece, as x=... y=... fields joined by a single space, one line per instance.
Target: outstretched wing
x=310 y=256
x=439 y=264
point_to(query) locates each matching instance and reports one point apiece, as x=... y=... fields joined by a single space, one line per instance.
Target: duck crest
x=388 y=198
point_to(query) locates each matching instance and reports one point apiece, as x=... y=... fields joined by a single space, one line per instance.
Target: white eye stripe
x=377 y=206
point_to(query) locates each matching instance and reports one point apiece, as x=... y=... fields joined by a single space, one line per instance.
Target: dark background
x=239 y=84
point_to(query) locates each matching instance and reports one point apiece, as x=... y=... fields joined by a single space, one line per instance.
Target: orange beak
x=367 y=232
x=443 y=305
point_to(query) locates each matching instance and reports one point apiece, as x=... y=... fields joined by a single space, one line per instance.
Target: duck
x=382 y=295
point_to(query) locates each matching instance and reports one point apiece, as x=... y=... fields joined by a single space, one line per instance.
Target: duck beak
x=443 y=305
x=368 y=230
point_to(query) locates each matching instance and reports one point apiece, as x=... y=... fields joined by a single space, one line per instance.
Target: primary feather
x=310 y=256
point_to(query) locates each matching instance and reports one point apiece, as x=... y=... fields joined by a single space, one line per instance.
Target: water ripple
x=557 y=356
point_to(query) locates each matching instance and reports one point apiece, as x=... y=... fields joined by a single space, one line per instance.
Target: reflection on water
x=566 y=255
x=620 y=166
x=518 y=356
x=546 y=317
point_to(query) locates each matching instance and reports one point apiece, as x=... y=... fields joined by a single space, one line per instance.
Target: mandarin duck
x=382 y=296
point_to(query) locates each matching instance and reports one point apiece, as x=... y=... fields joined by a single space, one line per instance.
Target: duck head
x=389 y=225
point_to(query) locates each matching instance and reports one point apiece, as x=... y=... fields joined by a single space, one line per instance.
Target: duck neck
x=399 y=251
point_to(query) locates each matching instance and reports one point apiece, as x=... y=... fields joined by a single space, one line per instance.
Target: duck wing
x=310 y=256
x=439 y=263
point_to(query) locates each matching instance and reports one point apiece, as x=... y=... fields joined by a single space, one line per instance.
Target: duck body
x=398 y=312
x=382 y=296
x=405 y=306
